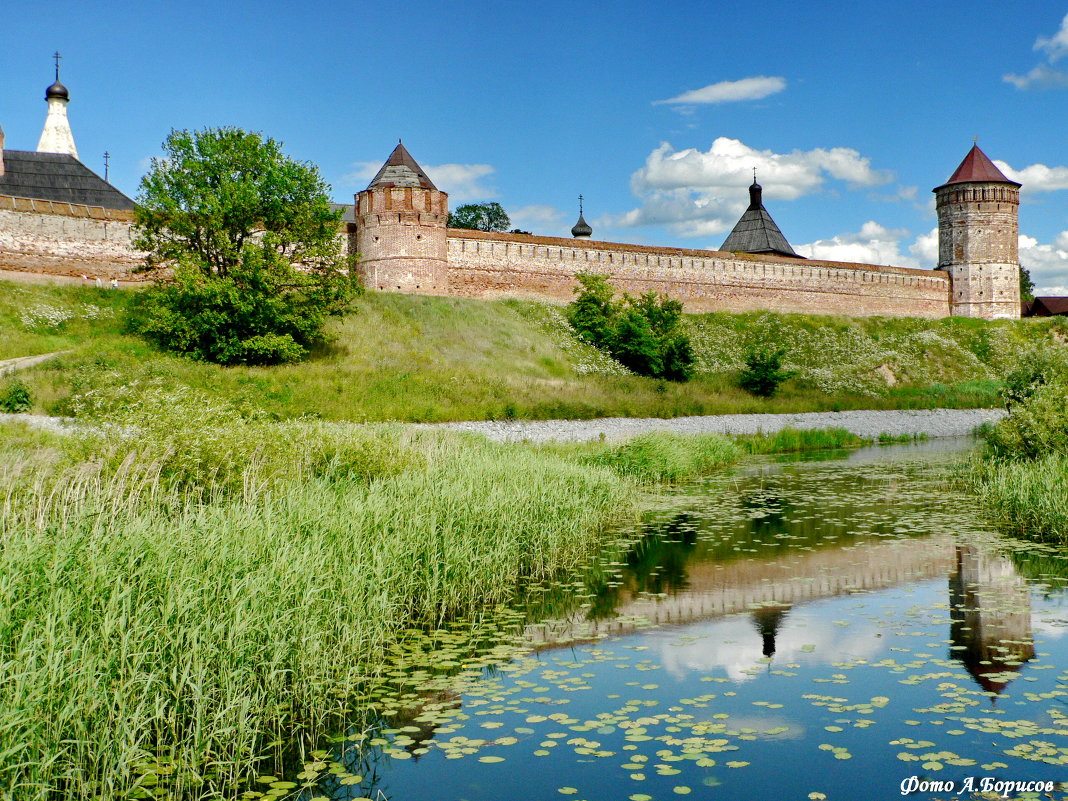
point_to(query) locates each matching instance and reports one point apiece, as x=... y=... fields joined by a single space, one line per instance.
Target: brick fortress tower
x=978 y=245
x=400 y=229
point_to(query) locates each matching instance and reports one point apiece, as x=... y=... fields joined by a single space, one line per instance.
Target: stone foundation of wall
x=489 y=265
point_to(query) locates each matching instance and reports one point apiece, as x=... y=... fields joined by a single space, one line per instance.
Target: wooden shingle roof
x=401 y=170
x=756 y=232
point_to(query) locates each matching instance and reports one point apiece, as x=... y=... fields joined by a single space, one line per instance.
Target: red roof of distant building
x=977 y=167
x=1048 y=307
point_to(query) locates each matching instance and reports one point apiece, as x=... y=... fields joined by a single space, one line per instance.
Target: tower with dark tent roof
x=400 y=228
x=978 y=238
x=755 y=231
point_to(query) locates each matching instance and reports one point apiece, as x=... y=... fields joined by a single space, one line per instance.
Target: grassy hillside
x=416 y=358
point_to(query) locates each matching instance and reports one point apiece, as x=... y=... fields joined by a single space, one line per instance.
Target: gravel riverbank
x=932 y=422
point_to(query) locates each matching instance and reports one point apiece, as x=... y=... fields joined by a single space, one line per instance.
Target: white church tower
x=56 y=136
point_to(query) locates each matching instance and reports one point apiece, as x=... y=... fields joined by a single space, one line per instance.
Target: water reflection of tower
x=990 y=611
x=768 y=620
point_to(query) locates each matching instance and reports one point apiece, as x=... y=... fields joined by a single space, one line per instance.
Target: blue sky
x=657 y=113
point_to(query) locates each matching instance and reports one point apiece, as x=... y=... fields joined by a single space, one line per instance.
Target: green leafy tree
x=634 y=345
x=1027 y=286
x=593 y=314
x=644 y=334
x=480 y=217
x=250 y=241
x=763 y=371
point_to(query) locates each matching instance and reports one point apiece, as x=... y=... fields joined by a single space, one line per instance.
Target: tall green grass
x=1029 y=498
x=661 y=456
x=191 y=603
x=791 y=440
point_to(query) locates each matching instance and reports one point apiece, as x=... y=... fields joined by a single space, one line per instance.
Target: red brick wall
x=502 y=265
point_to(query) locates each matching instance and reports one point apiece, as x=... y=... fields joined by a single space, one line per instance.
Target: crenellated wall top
x=12 y=203
x=619 y=247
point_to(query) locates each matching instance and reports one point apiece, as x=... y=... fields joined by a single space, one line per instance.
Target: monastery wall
x=65 y=239
x=491 y=265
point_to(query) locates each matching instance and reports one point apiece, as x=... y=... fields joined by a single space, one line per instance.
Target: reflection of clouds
x=734 y=645
x=762 y=723
x=1049 y=629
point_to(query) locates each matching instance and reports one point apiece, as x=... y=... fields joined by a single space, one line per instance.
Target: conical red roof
x=977 y=167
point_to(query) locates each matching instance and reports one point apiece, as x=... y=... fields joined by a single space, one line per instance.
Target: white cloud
x=1040 y=77
x=1056 y=46
x=1047 y=263
x=702 y=193
x=361 y=171
x=876 y=244
x=1043 y=76
x=1037 y=177
x=925 y=249
x=547 y=220
x=872 y=244
x=463 y=182
x=754 y=88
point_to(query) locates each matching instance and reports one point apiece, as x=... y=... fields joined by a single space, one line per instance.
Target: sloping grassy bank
x=190 y=590
x=429 y=359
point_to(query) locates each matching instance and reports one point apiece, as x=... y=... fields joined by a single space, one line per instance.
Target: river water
x=835 y=627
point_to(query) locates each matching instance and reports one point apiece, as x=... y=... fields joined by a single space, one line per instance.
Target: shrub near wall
x=1023 y=475
x=644 y=334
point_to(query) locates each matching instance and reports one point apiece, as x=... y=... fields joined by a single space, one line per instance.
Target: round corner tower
x=400 y=229
x=978 y=239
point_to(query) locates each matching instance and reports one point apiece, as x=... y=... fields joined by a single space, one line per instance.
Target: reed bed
x=193 y=594
x=663 y=457
x=794 y=440
x=1029 y=498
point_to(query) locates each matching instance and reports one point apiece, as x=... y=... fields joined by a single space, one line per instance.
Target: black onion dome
x=582 y=228
x=756 y=195
x=57 y=90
